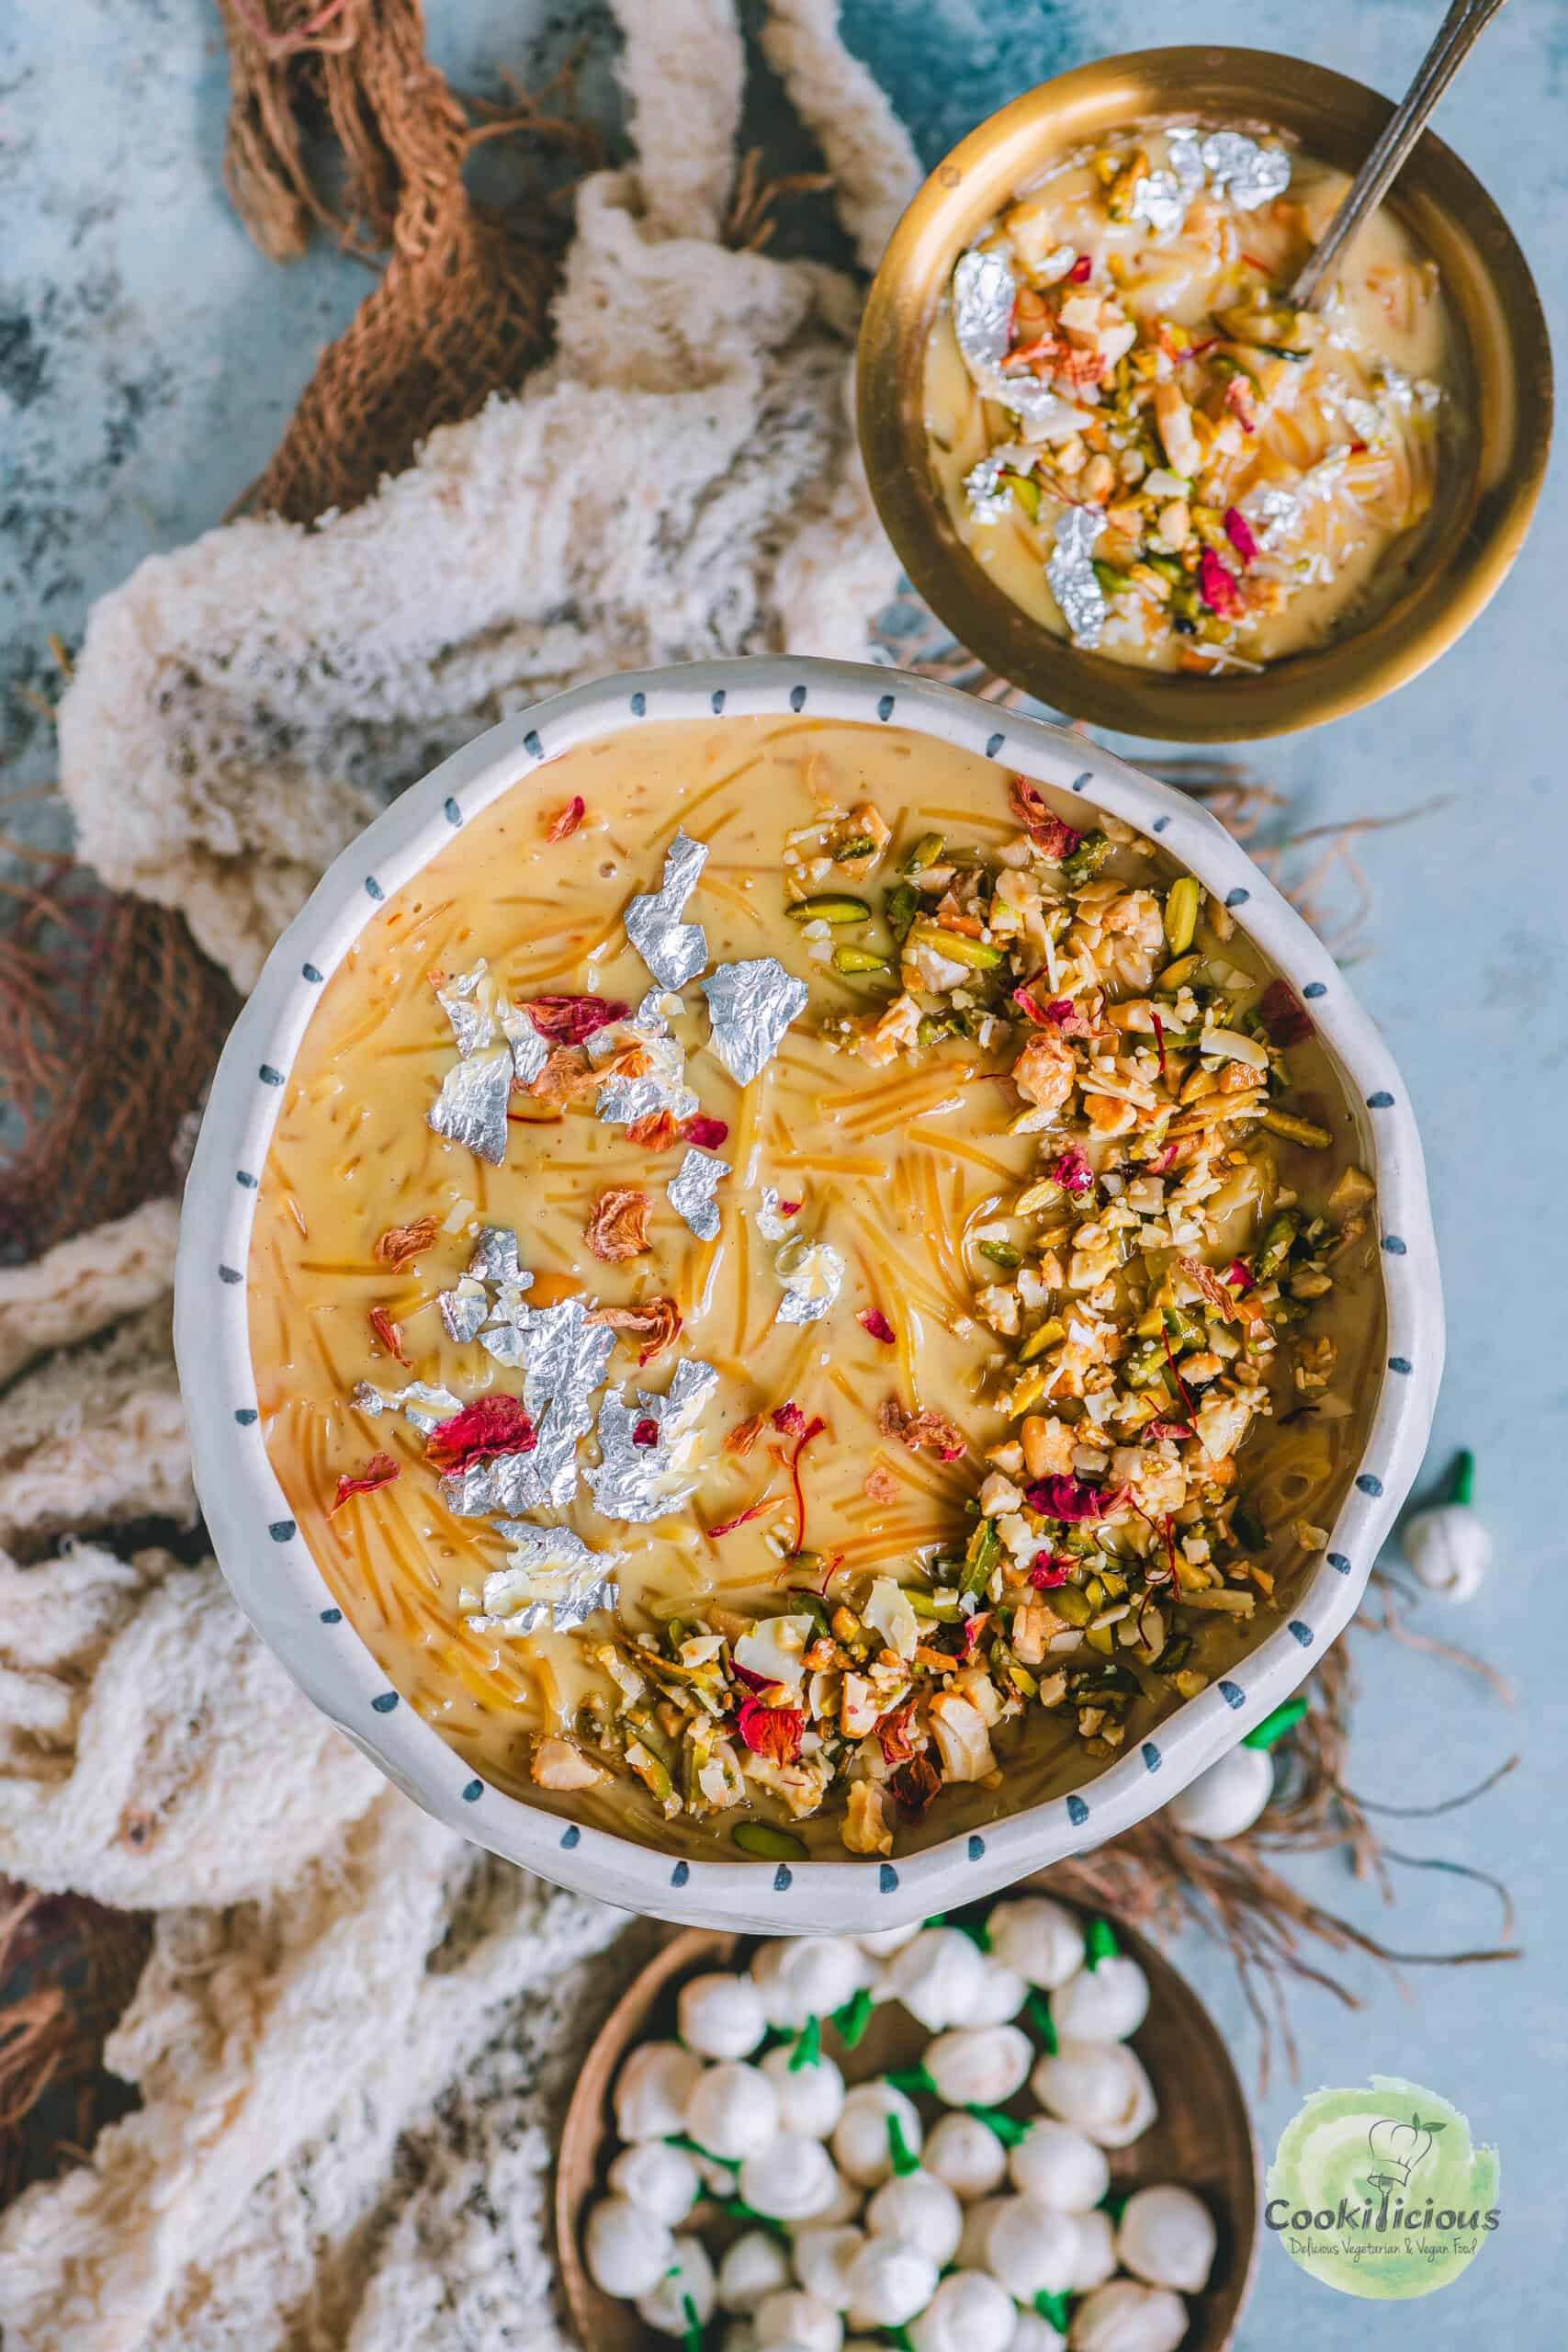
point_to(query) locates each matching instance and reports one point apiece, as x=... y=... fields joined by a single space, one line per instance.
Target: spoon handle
x=1457 y=36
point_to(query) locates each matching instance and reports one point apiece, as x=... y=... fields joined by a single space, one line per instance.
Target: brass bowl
x=1492 y=473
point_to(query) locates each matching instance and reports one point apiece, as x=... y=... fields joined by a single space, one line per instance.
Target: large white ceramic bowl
x=277 y=1583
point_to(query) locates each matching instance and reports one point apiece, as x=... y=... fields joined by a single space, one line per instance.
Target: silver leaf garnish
x=552 y=1578
x=812 y=1273
x=1245 y=172
x=770 y=1223
x=984 y=290
x=663 y=1086
x=500 y=1482
x=750 y=1005
x=472 y=1025
x=692 y=1190
x=1070 y=574
x=1275 y=514
x=643 y=1482
x=495 y=1258
x=674 y=951
x=1160 y=202
x=471 y=1106
x=566 y=1358
x=1186 y=152
x=530 y=1052
x=421 y=1403
x=989 y=502
x=463 y=1309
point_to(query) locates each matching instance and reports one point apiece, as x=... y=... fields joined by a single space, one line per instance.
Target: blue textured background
x=148 y=359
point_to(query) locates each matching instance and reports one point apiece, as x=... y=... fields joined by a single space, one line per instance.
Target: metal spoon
x=1460 y=28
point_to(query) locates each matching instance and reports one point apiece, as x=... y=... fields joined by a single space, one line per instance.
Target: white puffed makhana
x=1127 y=2317
x=733 y=2110
x=969 y=2312
x=822 y=2259
x=889 y=2283
x=652 y=2088
x=754 y=2266
x=797 y=2319
x=1224 y=1801
x=966 y=2155
x=937 y=1977
x=805 y=1976
x=1167 y=2238
x=980 y=2065
x=686 y=2287
x=811 y=2098
x=1031 y=2248
x=791 y=2179
x=1100 y=2087
x=1095 y=2260
x=921 y=2210
x=626 y=2248
x=1105 y=2003
x=1040 y=1939
x=862 y=2145
x=662 y=2179
x=721 y=2015
x=1058 y=2166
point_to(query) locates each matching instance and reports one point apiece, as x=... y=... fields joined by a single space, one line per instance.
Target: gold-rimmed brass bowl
x=1492 y=467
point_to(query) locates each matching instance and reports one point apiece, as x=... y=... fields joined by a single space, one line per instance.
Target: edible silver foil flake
x=750 y=1005
x=812 y=1273
x=496 y=1257
x=674 y=951
x=989 y=502
x=502 y=1482
x=1070 y=574
x=643 y=1482
x=566 y=1359
x=530 y=1052
x=471 y=1106
x=463 y=1309
x=1160 y=203
x=1186 y=153
x=771 y=1224
x=422 y=1404
x=663 y=1086
x=984 y=288
x=692 y=1190
x=1274 y=513
x=1245 y=172
x=472 y=1025
x=553 y=1578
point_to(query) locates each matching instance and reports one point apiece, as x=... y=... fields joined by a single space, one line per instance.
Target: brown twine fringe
x=68 y=1967
x=461 y=309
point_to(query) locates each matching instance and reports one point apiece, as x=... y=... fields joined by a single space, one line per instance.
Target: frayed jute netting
x=576 y=434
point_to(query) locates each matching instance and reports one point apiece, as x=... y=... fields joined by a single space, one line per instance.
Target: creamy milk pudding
x=1146 y=446
x=804 y=1294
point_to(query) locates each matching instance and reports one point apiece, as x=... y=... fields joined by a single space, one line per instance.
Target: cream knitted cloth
x=354 y=2031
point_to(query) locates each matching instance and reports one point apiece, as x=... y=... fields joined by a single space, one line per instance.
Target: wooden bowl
x=1202 y=2137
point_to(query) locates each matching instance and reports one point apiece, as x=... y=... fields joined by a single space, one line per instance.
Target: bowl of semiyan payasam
x=798 y=1296
x=1128 y=470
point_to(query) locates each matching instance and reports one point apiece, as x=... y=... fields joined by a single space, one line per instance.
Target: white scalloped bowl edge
x=277 y=1582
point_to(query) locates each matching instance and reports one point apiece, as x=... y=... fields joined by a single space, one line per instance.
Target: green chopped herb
x=807 y=2050
x=1001 y=1253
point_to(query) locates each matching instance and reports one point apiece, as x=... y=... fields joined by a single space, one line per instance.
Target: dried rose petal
x=931 y=1432
x=1072 y=1170
x=880 y=1484
x=1049 y=832
x=646 y=1432
x=1238 y=531
x=1220 y=589
x=401 y=1244
x=744 y=1435
x=659 y=1131
x=657 y=1320
x=896 y=1734
x=706 y=1132
x=1175 y=1431
x=915 y=1784
x=491 y=1425
x=1068 y=1499
x=789 y=1419
x=1048 y=1569
x=1240 y=1276
x=379 y=1471
x=568 y=820
x=1081 y=270
x=789 y=1208
x=1284 y=1017
x=1164 y=1161
x=568 y=1020
x=391 y=1334
x=771 y=1731
x=872 y=1319
x=974 y=1627
x=617 y=1224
